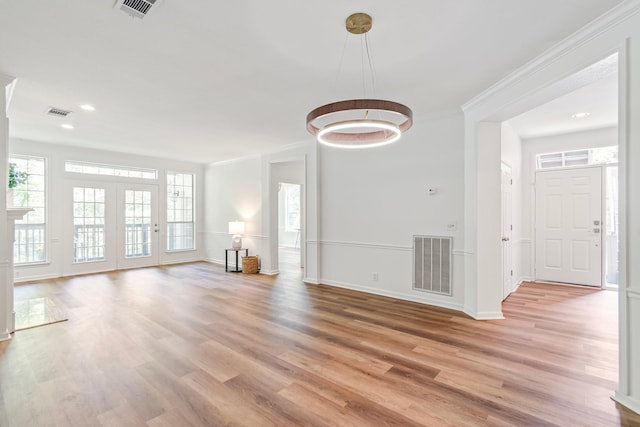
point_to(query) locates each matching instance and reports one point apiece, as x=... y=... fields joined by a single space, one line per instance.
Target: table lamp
x=236 y=228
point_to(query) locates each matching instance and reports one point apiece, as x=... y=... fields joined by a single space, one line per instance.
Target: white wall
x=531 y=147
x=511 y=154
x=370 y=204
x=233 y=193
x=373 y=201
x=59 y=240
x=247 y=189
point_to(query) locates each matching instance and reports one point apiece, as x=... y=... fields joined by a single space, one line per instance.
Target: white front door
x=507 y=231
x=568 y=222
x=113 y=225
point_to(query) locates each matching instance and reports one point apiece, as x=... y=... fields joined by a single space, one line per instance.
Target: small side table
x=226 y=259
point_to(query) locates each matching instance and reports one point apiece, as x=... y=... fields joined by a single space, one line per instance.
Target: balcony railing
x=30 y=243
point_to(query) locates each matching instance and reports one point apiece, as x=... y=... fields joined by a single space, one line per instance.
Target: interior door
x=137 y=231
x=568 y=222
x=507 y=231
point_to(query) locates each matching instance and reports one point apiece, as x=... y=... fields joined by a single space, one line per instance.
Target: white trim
x=391 y=294
x=485 y=315
x=365 y=245
x=29 y=278
x=600 y=25
x=8 y=83
x=214 y=261
x=181 y=261
x=376 y=246
x=5 y=336
x=284 y=148
x=225 y=233
x=633 y=293
x=235 y=160
x=631 y=404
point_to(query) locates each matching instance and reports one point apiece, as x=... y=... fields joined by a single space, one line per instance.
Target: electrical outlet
x=374 y=276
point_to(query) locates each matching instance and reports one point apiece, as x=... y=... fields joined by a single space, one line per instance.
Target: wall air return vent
x=432 y=264
x=58 y=112
x=136 y=8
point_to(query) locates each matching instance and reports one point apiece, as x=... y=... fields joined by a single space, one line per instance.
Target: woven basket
x=250 y=264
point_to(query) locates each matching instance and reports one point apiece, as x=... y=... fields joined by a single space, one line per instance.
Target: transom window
x=30 y=242
x=563 y=159
x=180 y=211
x=110 y=170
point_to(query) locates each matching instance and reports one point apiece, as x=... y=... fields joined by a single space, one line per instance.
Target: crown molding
x=610 y=19
x=9 y=83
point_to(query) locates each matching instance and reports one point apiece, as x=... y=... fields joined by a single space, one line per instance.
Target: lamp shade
x=236 y=227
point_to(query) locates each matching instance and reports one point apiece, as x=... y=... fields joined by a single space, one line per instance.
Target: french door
x=114 y=226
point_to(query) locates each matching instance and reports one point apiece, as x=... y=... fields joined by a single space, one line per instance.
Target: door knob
x=505 y=239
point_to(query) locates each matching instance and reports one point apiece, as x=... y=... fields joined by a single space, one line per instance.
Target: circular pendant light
x=346 y=124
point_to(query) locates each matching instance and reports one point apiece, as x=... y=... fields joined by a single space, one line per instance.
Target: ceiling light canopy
x=88 y=107
x=359 y=123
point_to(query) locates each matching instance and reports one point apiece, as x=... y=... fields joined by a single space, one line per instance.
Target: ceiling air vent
x=58 y=112
x=135 y=8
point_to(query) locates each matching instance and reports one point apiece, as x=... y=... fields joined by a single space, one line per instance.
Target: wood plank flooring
x=191 y=345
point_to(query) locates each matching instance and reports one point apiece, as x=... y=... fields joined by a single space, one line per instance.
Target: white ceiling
x=593 y=90
x=208 y=81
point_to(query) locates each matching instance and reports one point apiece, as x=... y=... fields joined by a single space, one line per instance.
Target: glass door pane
x=88 y=224
x=138 y=222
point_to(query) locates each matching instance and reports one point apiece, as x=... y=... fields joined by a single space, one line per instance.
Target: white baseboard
x=5 y=336
x=484 y=315
x=182 y=261
x=397 y=295
x=31 y=278
x=627 y=402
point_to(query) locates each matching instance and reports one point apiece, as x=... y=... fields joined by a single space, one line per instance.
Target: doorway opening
x=289 y=227
x=576 y=129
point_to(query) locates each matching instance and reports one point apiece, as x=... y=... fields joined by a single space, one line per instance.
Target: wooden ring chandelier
x=360 y=131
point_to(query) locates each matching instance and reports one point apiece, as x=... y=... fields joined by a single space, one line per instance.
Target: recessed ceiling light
x=581 y=115
x=66 y=126
x=88 y=107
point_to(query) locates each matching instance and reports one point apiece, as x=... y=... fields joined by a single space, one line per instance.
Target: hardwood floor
x=191 y=345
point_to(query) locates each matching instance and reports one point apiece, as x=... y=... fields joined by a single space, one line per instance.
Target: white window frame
x=567 y=159
x=172 y=210
x=23 y=224
x=110 y=170
x=287 y=210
